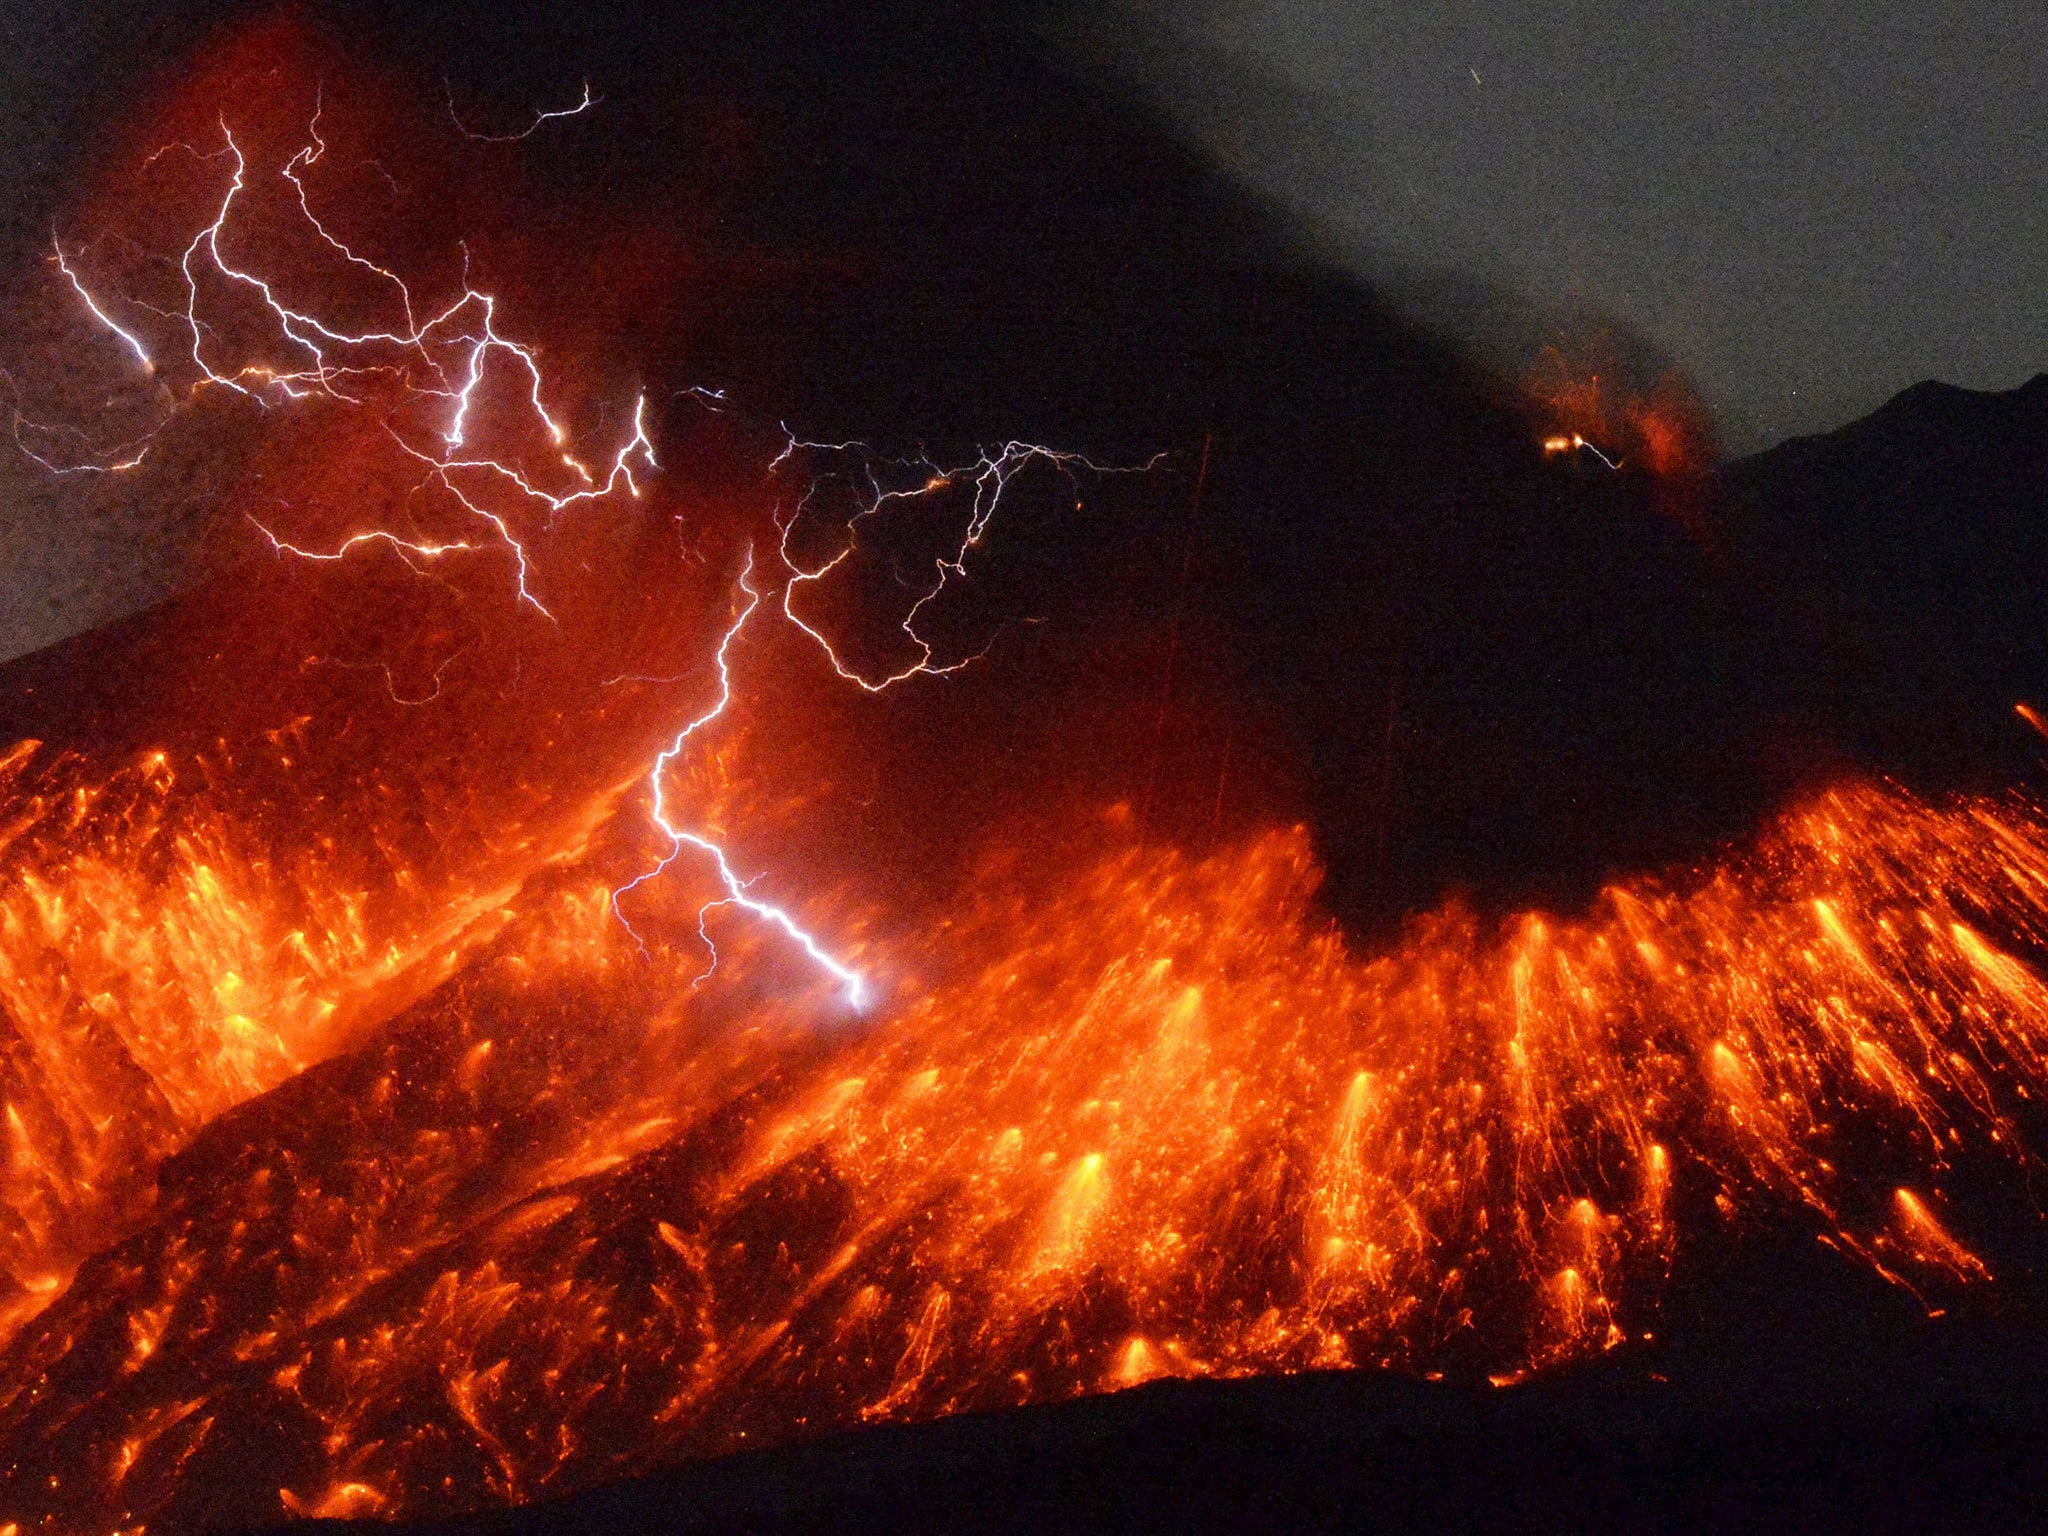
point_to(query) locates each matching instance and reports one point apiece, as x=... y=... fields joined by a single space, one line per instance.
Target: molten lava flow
x=579 y=1213
x=162 y=961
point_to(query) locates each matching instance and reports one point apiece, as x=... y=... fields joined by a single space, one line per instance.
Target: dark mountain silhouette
x=1896 y=571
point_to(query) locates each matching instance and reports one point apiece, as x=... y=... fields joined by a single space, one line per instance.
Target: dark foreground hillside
x=1838 y=1409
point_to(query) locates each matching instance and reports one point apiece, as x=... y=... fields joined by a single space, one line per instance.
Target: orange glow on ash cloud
x=1595 y=399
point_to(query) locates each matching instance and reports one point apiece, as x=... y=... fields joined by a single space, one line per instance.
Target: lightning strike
x=539 y=120
x=413 y=547
x=306 y=159
x=989 y=475
x=681 y=837
x=128 y=338
x=123 y=457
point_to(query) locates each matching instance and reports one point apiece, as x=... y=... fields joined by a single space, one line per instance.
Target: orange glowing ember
x=575 y=1213
x=1600 y=403
x=362 y=1160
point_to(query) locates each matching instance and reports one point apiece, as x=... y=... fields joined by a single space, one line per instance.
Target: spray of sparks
x=1574 y=443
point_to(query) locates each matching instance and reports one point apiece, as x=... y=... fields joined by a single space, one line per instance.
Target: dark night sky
x=1807 y=206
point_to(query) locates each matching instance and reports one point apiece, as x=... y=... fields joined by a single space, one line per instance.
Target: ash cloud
x=1461 y=663
x=1807 y=210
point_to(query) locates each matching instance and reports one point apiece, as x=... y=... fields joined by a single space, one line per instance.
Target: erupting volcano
x=613 y=930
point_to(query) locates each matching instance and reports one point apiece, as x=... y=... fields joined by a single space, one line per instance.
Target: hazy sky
x=1808 y=205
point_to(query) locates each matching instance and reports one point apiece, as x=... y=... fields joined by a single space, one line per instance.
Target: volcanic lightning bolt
x=333 y=356
x=540 y=119
x=989 y=475
x=736 y=889
x=128 y=338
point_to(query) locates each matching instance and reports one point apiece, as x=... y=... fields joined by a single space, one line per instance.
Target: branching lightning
x=449 y=359
x=540 y=118
x=989 y=475
x=736 y=889
x=122 y=457
x=446 y=357
x=128 y=338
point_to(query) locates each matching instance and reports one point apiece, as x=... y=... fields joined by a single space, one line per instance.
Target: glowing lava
x=580 y=1213
x=1604 y=404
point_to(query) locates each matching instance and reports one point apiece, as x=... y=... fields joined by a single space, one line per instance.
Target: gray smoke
x=1806 y=207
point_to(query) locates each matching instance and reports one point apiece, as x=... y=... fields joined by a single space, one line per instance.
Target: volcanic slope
x=1126 y=1112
